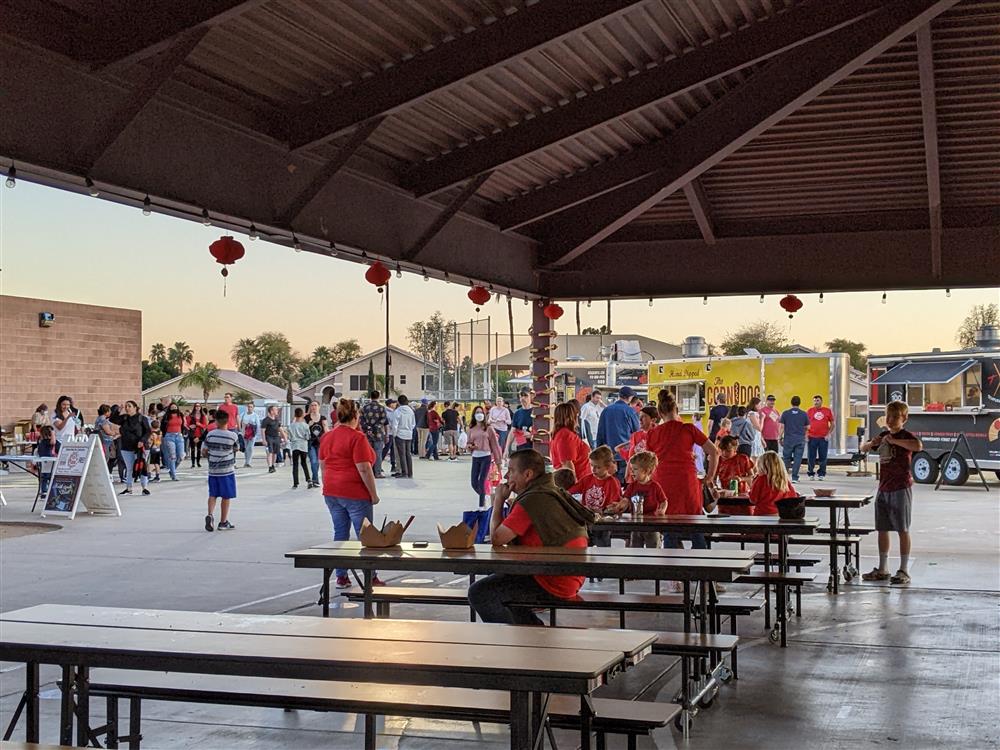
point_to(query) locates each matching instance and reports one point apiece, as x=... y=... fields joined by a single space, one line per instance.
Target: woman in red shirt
x=772 y=484
x=348 y=478
x=567 y=450
x=172 y=427
x=434 y=425
x=196 y=428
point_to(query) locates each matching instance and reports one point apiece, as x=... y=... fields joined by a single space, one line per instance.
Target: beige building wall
x=192 y=393
x=91 y=353
x=403 y=369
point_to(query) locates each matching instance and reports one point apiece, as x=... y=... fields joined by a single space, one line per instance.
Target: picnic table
x=835 y=504
x=595 y=562
x=529 y=663
x=21 y=464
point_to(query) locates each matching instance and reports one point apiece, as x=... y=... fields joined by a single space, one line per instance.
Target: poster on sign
x=80 y=476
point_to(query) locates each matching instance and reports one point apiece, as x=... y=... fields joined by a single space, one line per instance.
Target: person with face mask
x=172 y=426
x=133 y=429
x=484 y=444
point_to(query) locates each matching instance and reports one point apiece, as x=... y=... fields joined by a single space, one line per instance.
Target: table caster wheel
x=848 y=575
x=775 y=635
x=681 y=719
x=725 y=674
x=707 y=702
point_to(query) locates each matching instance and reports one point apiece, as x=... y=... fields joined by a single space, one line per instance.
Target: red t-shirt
x=894 y=463
x=673 y=443
x=740 y=465
x=339 y=450
x=564 y=587
x=651 y=493
x=566 y=445
x=820 y=420
x=763 y=496
x=597 y=494
x=234 y=413
x=769 y=417
x=172 y=423
x=636 y=444
x=433 y=420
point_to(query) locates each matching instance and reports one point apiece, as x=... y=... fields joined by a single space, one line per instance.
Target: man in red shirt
x=820 y=424
x=769 y=425
x=541 y=516
x=233 y=411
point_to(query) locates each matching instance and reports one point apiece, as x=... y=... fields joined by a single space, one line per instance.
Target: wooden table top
x=711 y=524
x=838 y=501
x=613 y=562
x=413 y=659
x=634 y=643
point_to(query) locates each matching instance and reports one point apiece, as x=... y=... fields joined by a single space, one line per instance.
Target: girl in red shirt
x=566 y=448
x=196 y=424
x=771 y=485
x=648 y=419
x=673 y=441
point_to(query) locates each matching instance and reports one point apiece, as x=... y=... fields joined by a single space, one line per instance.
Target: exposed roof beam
x=450 y=62
x=785 y=85
x=928 y=105
x=700 y=207
x=109 y=131
x=826 y=262
x=755 y=44
x=327 y=171
x=444 y=217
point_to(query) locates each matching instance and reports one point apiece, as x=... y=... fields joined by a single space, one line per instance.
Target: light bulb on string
x=650 y=301
x=704 y=300
x=588 y=303
x=91 y=188
x=147 y=206
x=526 y=301
x=947 y=292
x=885 y=296
x=821 y=298
x=447 y=278
x=426 y=275
x=399 y=271
x=204 y=218
x=333 y=251
x=296 y=245
x=762 y=299
x=11 y=176
x=253 y=232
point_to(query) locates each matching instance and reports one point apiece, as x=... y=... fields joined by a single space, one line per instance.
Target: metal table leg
x=325 y=591
x=520 y=720
x=66 y=706
x=31 y=688
x=83 y=706
x=687 y=606
x=834 y=584
x=369 y=612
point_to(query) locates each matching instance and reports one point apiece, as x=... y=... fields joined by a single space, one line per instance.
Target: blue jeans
x=377 y=446
x=792 y=456
x=818 y=448
x=314 y=462
x=480 y=470
x=502 y=439
x=432 y=444
x=346 y=513
x=490 y=596
x=676 y=541
x=129 y=458
x=173 y=452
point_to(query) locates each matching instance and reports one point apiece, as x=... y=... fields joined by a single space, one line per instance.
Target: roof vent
x=988 y=337
x=694 y=346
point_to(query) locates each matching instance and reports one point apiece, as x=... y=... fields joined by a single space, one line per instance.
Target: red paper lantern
x=790 y=304
x=479 y=295
x=377 y=275
x=552 y=311
x=226 y=251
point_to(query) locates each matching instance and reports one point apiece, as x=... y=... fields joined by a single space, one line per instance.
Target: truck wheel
x=955 y=470
x=925 y=469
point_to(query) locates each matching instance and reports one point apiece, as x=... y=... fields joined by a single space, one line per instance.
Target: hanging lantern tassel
x=226 y=251
x=790 y=304
x=480 y=296
x=377 y=275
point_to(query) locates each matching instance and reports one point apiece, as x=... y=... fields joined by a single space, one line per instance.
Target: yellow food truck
x=695 y=382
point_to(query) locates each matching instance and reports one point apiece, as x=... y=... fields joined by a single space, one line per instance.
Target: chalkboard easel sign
x=80 y=476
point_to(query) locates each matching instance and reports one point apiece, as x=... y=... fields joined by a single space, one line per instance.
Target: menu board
x=80 y=477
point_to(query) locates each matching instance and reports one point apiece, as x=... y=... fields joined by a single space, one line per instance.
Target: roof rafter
x=702 y=210
x=928 y=106
x=445 y=216
x=448 y=63
x=759 y=42
x=786 y=84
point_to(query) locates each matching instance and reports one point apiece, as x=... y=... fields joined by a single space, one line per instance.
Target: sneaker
x=145 y=491
x=343 y=582
x=125 y=491
x=271 y=469
x=156 y=478
x=821 y=478
x=209 y=523
x=376 y=581
x=226 y=525
x=174 y=479
x=295 y=486
x=901 y=577
x=875 y=575
x=811 y=478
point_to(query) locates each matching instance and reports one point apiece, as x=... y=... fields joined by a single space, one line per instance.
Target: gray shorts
x=892 y=510
x=450 y=438
x=273 y=445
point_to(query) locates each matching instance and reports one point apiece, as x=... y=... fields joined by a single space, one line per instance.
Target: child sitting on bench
x=772 y=484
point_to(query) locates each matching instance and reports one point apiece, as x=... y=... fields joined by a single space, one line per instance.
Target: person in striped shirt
x=218 y=446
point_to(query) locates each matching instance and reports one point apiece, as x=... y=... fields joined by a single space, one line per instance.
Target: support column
x=542 y=374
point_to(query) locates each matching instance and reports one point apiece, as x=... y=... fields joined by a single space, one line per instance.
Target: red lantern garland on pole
x=377 y=275
x=479 y=296
x=552 y=311
x=226 y=251
x=790 y=304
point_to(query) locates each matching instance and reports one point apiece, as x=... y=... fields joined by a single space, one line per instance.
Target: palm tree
x=180 y=354
x=157 y=354
x=245 y=354
x=205 y=376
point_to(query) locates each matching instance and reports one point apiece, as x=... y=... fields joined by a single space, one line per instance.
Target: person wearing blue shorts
x=219 y=447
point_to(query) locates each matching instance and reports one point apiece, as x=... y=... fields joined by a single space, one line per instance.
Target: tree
x=425 y=337
x=205 y=376
x=854 y=349
x=157 y=354
x=979 y=316
x=326 y=359
x=180 y=354
x=380 y=385
x=765 y=337
x=269 y=357
x=244 y=355
x=241 y=396
x=371 y=374
x=591 y=331
x=154 y=374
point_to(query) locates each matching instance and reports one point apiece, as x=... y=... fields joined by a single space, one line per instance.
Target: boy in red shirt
x=772 y=484
x=734 y=465
x=820 y=424
x=541 y=516
x=599 y=491
x=895 y=447
x=654 y=501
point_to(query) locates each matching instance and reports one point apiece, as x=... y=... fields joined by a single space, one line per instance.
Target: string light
x=333 y=250
x=650 y=301
x=704 y=300
x=447 y=278
x=947 y=292
x=147 y=206
x=588 y=303
x=253 y=232
x=526 y=301
x=762 y=299
x=91 y=188
x=821 y=298
x=296 y=245
x=426 y=276
x=204 y=218
x=11 y=176
x=884 y=297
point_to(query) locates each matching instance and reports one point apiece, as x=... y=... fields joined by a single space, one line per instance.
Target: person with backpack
x=250 y=425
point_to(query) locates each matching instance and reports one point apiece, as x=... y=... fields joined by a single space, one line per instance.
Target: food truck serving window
x=932 y=386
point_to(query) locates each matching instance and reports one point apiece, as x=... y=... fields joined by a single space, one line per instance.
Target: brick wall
x=90 y=353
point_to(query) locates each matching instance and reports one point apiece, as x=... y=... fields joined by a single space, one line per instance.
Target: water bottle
x=636 y=506
x=734 y=485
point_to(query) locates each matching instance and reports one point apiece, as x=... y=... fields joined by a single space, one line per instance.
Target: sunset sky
x=62 y=246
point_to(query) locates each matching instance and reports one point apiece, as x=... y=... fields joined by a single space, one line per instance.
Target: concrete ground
x=877 y=666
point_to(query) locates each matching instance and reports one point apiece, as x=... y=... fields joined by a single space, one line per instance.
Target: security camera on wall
x=46 y=319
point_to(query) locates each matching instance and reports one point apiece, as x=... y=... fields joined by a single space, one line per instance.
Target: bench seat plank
x=774 y=576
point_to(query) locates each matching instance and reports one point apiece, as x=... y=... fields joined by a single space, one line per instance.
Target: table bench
x=835 y=504
x=630 y=718
x=780 y=580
